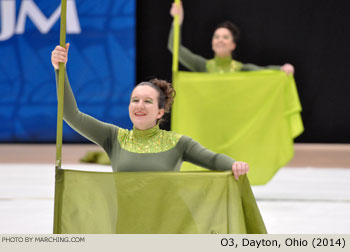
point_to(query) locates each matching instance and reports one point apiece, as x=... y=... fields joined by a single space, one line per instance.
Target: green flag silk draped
x=155 y=202
x=151 y=202
x=251 y=116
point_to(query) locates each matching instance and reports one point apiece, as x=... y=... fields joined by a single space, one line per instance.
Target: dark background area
x=313 y=35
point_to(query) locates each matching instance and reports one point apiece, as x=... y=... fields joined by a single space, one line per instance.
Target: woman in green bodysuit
x=224 y=42
x=146 y=147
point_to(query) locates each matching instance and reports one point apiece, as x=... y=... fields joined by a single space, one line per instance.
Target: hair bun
x=168 y=91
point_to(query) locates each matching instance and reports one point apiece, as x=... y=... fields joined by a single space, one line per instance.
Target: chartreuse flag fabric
x=251 y=116
x=154 y=203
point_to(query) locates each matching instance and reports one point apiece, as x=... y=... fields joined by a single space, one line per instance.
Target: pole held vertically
x=61 y=74
x=176 y=43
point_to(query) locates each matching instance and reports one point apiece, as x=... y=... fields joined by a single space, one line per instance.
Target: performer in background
x=145 y=147
x=224 y=42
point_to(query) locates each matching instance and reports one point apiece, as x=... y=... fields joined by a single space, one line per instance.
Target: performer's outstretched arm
x=190 y=60
x=97 y=131
x=195 y=153
x=193 y=62
x=253 y=67
x=287 y=68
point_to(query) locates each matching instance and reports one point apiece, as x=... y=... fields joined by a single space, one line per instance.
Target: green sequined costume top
x=140 y=150
x=197 y=63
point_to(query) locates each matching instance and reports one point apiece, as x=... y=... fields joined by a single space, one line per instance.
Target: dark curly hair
x=232 y=28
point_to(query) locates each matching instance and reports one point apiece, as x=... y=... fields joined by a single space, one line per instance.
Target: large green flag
x=155 y=203
x=250 y=116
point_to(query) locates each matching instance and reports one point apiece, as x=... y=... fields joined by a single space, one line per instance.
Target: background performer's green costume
x=141 y=150
x=197 y=63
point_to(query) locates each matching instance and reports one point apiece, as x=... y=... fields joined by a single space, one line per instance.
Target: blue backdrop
x=101 y=65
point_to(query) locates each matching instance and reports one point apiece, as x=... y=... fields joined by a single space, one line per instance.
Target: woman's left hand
x=288 y=68
x=239 y=168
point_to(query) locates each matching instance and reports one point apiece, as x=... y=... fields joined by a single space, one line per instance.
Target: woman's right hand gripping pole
x=177 y=9
x=59 y=54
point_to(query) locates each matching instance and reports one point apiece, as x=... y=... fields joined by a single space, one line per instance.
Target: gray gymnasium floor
x=300 y=199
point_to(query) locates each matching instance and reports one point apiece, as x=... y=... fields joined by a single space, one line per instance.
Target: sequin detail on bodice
x=223 y=65
x=153 y=140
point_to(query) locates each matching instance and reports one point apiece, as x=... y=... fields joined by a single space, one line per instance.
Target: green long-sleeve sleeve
x=193 y=62
x=96 y=131
x=252 y=67
x=198 y=155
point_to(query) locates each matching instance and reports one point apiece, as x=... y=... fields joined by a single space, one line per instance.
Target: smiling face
x=143 y=108
x=222 y=43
